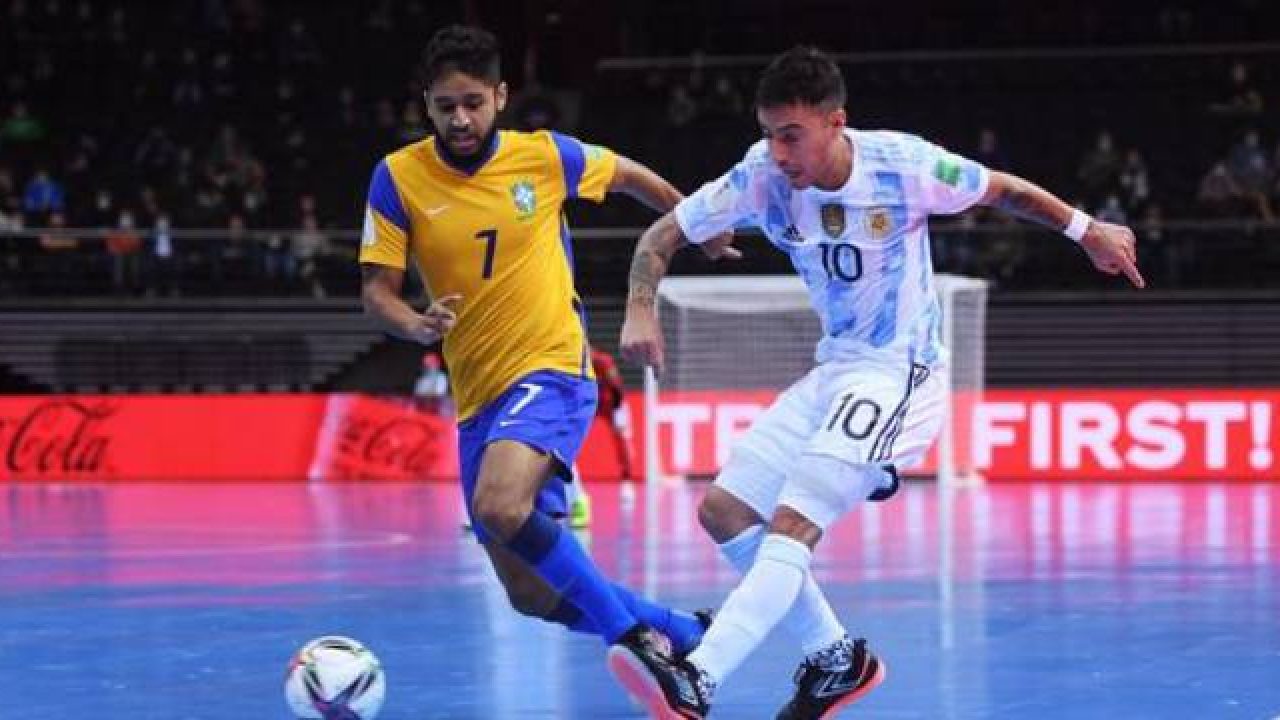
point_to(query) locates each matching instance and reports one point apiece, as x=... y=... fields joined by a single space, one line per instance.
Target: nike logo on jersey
x=432 y=212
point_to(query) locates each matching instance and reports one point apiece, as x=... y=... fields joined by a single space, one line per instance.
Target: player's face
x=464 y=109
x=803 y=140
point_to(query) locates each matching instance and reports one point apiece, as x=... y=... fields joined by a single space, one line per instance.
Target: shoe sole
x=634 y=676
x=877 y=677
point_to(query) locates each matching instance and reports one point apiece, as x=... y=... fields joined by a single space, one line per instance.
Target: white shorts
x=857 y=413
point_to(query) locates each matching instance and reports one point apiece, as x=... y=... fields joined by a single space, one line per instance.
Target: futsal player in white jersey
x=851 y=209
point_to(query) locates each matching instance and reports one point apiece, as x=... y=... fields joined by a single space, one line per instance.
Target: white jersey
x=863 y=250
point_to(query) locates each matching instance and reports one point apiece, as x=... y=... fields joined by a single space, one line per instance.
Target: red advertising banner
x=157 y=437
x=376 y=438
x=222 y=437
x=1109 y=435
x=1126 y=435
x=1029 y=434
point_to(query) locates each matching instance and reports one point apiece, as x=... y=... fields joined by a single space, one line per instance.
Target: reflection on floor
x=1024 y=601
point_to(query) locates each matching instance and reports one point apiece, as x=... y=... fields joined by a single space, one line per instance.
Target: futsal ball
x=335 y=678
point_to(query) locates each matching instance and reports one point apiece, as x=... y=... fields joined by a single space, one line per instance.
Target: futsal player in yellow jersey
x=480 y=212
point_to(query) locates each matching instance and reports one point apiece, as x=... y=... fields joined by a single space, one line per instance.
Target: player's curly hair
x=802 y=75
x=462 y=48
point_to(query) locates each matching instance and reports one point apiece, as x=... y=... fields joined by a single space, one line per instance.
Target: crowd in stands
x=230 y=155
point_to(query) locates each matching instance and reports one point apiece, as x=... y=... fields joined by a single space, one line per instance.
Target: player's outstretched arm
x=641 y=340
x=1110 y=247
x=644 y=185
x=648 y=187
x=380 y=287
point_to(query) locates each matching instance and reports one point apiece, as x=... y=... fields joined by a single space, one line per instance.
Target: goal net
x=734 y=342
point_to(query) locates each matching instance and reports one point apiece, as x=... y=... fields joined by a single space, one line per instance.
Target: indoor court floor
x=172 y=601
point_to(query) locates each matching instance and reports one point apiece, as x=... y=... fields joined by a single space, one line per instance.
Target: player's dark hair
x=470 y=50
x=803 y=75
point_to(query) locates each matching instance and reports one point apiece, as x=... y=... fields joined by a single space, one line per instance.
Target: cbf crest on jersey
x=525 y=198
x=833 y=219
x=878 y=222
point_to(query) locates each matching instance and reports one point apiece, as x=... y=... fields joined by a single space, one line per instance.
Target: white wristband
x=1078 y=225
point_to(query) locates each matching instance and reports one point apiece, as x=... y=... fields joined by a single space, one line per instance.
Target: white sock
x=765 y=594
x=810 y=619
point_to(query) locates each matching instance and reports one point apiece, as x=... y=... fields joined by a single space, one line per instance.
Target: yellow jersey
x=496 y=235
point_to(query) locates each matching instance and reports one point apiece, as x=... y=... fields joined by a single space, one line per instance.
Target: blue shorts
x=550 y=412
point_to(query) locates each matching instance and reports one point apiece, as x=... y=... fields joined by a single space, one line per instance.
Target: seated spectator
x=164 y=267
x=54 y=238
x=1251 y=170
x=59 y=255
x=1112 y=211
x=8 y=191
x=989 y=153
x=1135 y=182
x=1159 y=252
x=1100 y=168
x=12 y=249
x=312 y=250
x=239 y=253
x=278 y=265
x=537 y=111
x=124 y=246
x=43 y=196
x=1219 y=195
x=21 y=128
x=682 y=108
x=1242 y=99
x=413 y=125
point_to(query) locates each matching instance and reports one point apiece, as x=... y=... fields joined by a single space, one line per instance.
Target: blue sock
x=560 y=560
x=684 y=629
x=567 y=614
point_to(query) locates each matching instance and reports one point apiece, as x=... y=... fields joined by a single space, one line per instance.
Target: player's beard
x=470 y=160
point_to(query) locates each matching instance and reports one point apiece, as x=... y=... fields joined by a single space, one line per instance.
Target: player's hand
x=721 y=247
x=438 y=320
x=1111 y=248
x=641 y=341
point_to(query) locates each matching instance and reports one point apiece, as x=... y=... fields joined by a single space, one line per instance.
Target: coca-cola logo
x=404 y=446
x=57 y=437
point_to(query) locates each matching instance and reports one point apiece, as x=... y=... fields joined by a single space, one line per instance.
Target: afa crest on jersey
x=833 y=219
x=878 y=223
x=525 y=198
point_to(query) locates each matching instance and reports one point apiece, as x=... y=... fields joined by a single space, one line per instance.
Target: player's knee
x=795 y=525
x=501 y=513
x=821 y=489
x=724 y=516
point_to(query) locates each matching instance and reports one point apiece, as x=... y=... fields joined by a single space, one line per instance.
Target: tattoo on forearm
x=647 y=269
x=1028 y=202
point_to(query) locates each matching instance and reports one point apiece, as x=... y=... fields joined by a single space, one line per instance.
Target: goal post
x=733 y=334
